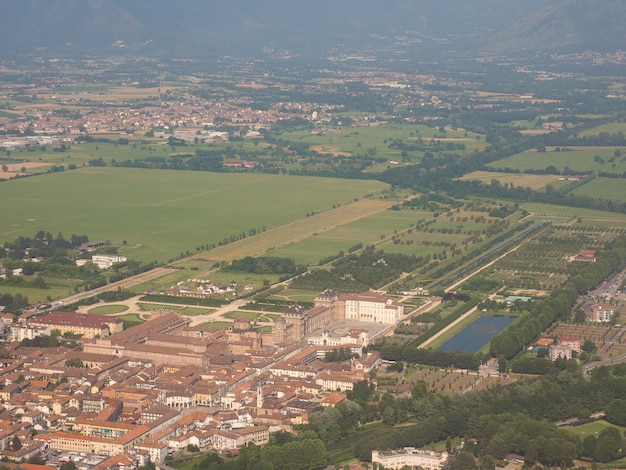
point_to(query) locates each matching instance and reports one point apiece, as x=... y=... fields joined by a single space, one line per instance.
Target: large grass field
x=593 y=429
x=578 y=159
x=139 y=147
x=586 y=216
x=367 y=230
x=517 y=179
x=358 y=140
x=611 y=128
x=158 y=213
x=604 y=188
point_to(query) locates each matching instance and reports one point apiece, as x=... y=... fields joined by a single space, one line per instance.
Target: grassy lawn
x=593 y=428
x=294 y=295
x=517 y=179
x=108 y=309
x=37 y=295
x=367 y=230
x=187 y=464
x=605 y=188
x=357 y=141
x=96 y=202
x=611 y=128
x=150 y=307
x=131 y=317
x=239 y=314
x=192 y=311
x=587 y=216
x=578 y=159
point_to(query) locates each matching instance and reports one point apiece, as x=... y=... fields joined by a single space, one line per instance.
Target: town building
x=102 y=261
x=89 y=326
x=556 y=351
x=601 y=313
x=586 y=256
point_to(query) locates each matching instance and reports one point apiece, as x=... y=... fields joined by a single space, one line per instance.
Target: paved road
x=605 y=362
x=124 y=284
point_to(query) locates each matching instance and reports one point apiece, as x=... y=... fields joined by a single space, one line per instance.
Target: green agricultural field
x=311 y=250
x=578 y=159
x=138 y=148
x=376 y=139
x=517 y=179
x=611 y=128
x=603 y=188
x=332 y=240
x=159 y=214
x=7 y=116
x=37 y=295
x=565 y=213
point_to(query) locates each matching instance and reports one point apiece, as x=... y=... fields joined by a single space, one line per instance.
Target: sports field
x=159 y=214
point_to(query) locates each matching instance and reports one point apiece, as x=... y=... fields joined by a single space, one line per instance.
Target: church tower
x=259 y=396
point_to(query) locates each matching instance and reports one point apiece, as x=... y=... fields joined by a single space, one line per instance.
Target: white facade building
x=372 y=307
x=410 y=457
x=102 y=261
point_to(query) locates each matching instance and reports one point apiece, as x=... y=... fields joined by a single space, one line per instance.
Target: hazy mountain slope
x=567 y=25
x=204 y=28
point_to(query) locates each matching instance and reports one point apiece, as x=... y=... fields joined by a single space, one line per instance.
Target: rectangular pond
x=475 y=336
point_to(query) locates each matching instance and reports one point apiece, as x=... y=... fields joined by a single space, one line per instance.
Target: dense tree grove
x=264 y=265
x=406 y=351
x=518 y=418
x=359 y=272
x=58 y=257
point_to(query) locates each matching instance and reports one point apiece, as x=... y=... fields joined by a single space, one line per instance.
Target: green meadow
x=138 y=148
x=368 y=230
x=585 y=216
x=108 y=309
x=516 y=179
x=593 y=429
x=603 y=188
x=159 y=214
x=578 y=159
x=610 y=128
x=378 y=137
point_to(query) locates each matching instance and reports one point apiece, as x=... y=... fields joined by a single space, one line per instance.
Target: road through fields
x=123 y=284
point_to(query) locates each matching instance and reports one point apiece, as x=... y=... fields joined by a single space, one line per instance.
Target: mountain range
x=214 y=28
